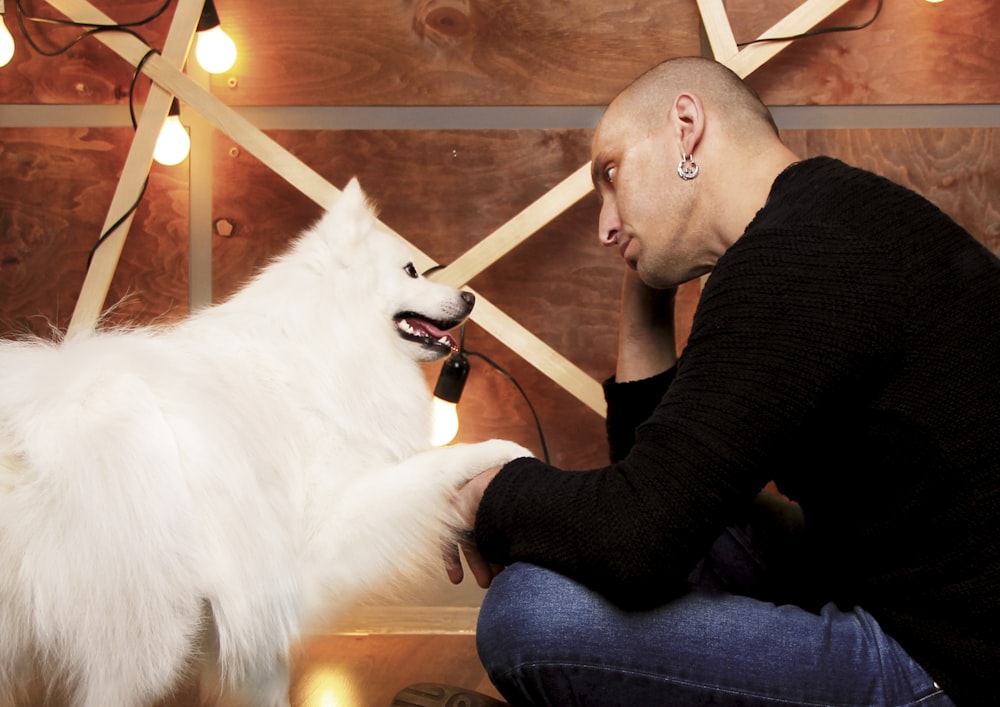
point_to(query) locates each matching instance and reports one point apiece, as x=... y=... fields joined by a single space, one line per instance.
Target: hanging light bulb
x=6 y=40
x=444 y=412
x=174 y=143
x=215 y=51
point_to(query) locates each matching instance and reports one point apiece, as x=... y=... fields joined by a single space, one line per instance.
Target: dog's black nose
x=470 y=299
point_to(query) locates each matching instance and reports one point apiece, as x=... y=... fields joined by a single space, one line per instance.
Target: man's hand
x=646 y=342
x=466 y=502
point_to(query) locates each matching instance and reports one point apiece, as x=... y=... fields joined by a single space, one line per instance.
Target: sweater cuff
x=490 y=530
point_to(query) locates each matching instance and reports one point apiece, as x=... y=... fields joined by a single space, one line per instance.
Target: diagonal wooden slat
x=139 y=159
x=801 y=19
x=719 y=31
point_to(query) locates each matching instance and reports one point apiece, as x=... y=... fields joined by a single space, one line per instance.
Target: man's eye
x=609 y=174
x=411 y=271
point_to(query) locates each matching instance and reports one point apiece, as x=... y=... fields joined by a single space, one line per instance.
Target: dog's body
x=204 y=492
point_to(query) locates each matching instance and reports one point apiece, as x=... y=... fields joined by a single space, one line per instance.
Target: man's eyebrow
x=595 y=171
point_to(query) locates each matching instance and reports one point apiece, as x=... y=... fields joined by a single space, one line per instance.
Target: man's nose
x=609 y=224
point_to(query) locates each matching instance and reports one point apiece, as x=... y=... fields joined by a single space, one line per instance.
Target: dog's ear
x=353 y=190
x=354 y=199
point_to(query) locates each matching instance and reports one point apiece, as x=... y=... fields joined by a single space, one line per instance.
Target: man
x=847 y=347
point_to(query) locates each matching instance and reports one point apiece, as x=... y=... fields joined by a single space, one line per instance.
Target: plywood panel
x=55 y=188
x=956 y=169
x=450 y=52
x=518 y=52
x=915 y=52
x=88 y=73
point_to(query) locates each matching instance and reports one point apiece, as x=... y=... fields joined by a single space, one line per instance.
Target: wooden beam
x=540 y=355
x=518 y=229
x=718 y=29
x=801 y=19
x=140 y=157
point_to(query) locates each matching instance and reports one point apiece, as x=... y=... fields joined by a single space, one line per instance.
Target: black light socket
x=451 y=380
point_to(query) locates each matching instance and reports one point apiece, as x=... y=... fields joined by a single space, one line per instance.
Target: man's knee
x=526 y=614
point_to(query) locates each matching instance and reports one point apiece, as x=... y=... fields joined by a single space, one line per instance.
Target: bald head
x=736 y=106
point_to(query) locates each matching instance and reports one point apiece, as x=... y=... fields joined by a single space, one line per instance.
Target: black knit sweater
x=847 y=346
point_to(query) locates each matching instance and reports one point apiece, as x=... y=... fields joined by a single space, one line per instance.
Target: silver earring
x=688 y=168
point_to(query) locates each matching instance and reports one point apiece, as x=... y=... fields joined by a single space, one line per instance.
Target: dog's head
x=421 y=311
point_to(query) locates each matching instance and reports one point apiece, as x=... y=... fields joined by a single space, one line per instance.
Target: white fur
x=203 y=493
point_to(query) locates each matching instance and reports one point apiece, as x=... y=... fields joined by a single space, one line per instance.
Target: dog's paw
x=477 y=457
x=502 y=451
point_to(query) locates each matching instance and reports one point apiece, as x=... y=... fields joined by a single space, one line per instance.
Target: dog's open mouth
x=430 y=334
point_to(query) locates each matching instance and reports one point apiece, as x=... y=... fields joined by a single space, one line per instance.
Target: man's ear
x=688 y=113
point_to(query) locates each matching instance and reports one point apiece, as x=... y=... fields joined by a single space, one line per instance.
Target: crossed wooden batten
x=169 y=80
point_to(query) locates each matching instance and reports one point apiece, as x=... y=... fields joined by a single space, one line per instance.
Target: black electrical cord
x=113 y=227
x=821 y=30
x=538 y=424
x=508 y=376
x=91 y=28
x=142 y=192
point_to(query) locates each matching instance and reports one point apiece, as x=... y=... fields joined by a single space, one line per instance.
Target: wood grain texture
x=55 y=188
x=518 y=52
x=955 y=169
x=89 y=72
x=915 y=52
x=475 y=52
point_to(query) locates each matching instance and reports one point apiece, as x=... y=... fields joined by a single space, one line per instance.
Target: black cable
x=506 y=374
x=131 y=87
x=131 y=111
x=821 y=30
x=113 y=227
x=461 y=348
x=91 y=28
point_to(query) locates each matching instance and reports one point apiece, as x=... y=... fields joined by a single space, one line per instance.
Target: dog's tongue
x=426 y=328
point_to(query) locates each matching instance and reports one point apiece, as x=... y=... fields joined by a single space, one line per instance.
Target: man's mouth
x=623 y=249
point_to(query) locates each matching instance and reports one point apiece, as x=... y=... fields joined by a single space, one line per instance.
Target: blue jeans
x=547 y=640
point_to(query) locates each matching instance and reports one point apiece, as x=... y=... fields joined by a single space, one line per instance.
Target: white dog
x=202 y=493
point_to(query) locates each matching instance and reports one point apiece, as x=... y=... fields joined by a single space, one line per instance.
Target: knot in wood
x=444 y=22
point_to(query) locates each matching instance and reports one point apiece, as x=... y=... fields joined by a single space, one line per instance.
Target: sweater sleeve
x=790 y=325
x=629 y=405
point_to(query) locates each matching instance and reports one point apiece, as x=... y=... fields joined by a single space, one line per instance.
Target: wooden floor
x=368 y=670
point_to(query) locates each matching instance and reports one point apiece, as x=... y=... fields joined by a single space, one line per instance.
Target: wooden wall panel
x=55 y=189
x=519 y=52
x=954 y=168
x=88 y=73
x=915 y=52
x=449 y=52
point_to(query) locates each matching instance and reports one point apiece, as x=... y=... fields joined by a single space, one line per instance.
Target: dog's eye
x=410 y=270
